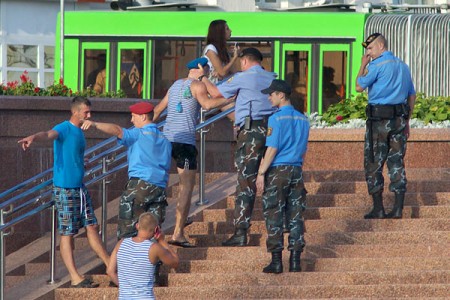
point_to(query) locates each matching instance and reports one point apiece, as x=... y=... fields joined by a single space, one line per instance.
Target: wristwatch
x=200 y=77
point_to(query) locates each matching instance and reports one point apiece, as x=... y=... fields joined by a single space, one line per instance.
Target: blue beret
x=193 y=64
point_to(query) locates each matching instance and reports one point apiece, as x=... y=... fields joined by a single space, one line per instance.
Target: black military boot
x=397 y=211
x=238 y=239
x=378 y=208
x=276 y=265
x=294 y=261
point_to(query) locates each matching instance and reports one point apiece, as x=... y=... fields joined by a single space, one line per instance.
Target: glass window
x=15 y=75
x=296 y=75
x=170 y=62
x=95 y=70
x=334 y=77
x=22 y=56
x=49 y=57
x=48 y=78
x=131 y=72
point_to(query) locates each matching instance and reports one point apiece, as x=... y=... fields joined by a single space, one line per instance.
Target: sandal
x=85 y=284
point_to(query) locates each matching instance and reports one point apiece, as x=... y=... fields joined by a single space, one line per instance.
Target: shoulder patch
x=230 y=79
x=269 y=131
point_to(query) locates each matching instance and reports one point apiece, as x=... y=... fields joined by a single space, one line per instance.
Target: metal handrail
x=14 y=207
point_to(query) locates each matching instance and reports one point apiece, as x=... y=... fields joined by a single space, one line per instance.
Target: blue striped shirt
x=180 y=126
x=135 y=270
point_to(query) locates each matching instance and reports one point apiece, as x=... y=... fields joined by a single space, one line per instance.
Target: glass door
x=132 y=69
x=296 y=70
x=335 y=75
x=95 y=68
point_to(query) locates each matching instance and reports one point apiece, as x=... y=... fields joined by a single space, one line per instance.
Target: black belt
x=255 y=123
x=134 y=178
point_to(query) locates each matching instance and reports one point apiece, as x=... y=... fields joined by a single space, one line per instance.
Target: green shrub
x=427 y=109
x=27 y=88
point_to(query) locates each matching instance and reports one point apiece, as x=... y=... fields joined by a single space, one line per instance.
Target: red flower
x=36 y=90
x=61 y=81
x=339 y=118
x=24 y=78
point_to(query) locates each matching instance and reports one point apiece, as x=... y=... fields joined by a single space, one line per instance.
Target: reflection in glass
x=334 y=77
x=296 y=74
x=15 y=76
x=131 y=72
x=95 y=70
x=22 y=56
x=48 y=79
x=170 y=62
x=49 y=57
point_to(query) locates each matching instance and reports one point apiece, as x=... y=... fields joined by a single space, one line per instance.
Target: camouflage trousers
x=284 y=197
x=389 y=146
x=139 y=197
x=250 y=150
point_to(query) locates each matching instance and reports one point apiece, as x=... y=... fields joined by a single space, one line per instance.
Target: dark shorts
x=75 y=211
x=185 y=156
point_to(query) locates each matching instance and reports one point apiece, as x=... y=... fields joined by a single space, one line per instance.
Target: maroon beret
x=141 y=108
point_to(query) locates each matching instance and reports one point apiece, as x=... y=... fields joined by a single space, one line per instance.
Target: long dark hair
x=216 y=37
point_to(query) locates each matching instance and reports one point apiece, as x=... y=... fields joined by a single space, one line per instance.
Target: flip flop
x=189 y=221
x=184 y=244
x=85 y=284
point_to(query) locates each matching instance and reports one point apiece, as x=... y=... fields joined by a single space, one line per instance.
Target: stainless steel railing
x=33 y=195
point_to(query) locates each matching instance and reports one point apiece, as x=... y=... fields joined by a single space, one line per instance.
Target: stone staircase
x=345 y=257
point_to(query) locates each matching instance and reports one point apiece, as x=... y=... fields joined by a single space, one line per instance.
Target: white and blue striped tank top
x=183 y=113
x=135 y=271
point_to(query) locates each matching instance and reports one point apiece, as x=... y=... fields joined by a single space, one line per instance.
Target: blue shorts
x=74 y=209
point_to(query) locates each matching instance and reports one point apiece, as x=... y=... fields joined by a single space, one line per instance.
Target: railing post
x=104 y=202
x=202 y=200
x=2 y=258
x=53 y=247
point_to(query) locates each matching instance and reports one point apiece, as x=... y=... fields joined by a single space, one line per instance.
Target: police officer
x=251 y=113
x=280 y=176
x=391 y=102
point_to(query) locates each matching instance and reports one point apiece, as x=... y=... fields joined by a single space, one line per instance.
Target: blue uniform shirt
x=68 y=161
x=248 y=85
x=388 y=79
x=288 y=132
x=149 y=154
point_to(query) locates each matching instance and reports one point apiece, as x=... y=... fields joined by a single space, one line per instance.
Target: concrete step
x=347 y=213
x=318 y=265
x=319 y=251
x=355 y=200
x=336 y=238
x=273 y=292
x=325 y=225
x=311 y=278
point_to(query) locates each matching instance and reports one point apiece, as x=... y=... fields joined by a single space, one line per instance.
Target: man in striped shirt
x=183 y=102
x=134 y=259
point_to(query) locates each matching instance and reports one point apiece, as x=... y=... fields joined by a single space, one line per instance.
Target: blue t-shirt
x=250 y=101
x=288 y=132
x=149 y=154
x=180 y=125
x=388 y=79
x=68 y=161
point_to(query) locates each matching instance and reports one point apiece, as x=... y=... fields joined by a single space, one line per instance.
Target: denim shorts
x=74 y=209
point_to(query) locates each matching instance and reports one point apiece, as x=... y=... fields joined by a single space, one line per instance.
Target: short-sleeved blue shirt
x=68 y=161
x=248 y=85
x=149 y=154
x=388 y=79
x=288 y=132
